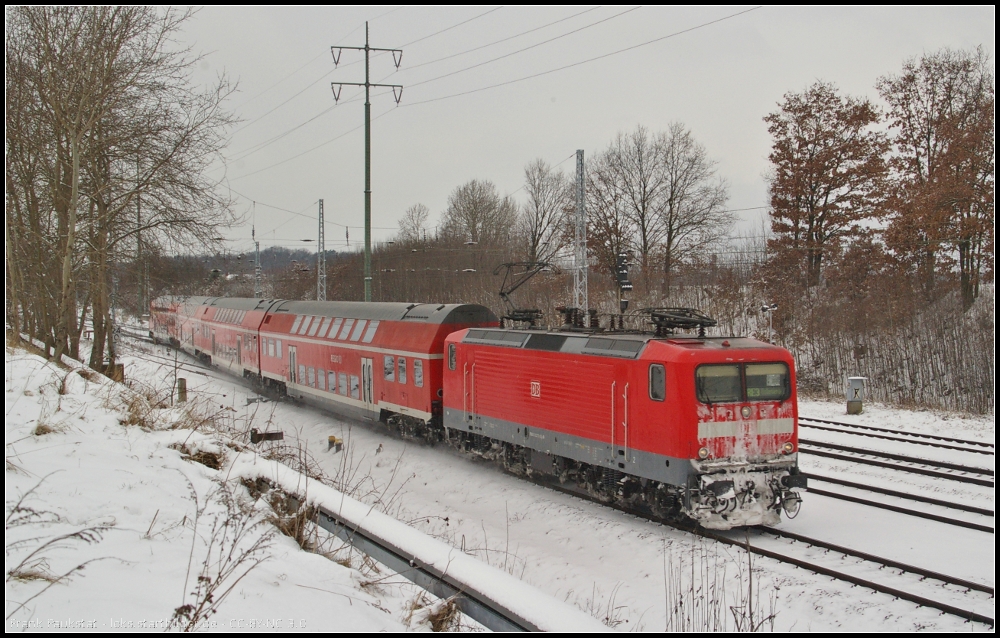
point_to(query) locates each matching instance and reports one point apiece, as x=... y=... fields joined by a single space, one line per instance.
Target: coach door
x=367 y=391
x=292 y=370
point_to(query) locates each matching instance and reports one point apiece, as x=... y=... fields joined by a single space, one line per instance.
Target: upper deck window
x=370 y=332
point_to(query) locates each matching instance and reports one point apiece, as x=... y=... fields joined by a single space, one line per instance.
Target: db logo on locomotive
x=536 y=389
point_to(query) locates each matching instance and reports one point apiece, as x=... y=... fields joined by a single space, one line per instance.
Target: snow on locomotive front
x=703 y=428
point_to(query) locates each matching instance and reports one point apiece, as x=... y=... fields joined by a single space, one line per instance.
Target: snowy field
x=135 y=491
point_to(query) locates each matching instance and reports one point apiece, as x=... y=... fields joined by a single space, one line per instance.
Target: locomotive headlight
x=703 y=453
x=788 y=448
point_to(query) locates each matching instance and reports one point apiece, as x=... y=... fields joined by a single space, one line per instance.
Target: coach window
x=767 y=382
x=332 y=381
x=370 y=332
x=324 y=327
x=657 y=382
x=270 y=347
x=389 y=368
x=718 y=383
x=302 y=375
x=335 y=328
x=277 y=348
x=346 y=330
x=359 y=328
x=452 y=358
x=418 y=373
x=315 y=326
x=312 y=377
x=342 y=383
x=402 y=370
x=355 y=388
x=320 y=379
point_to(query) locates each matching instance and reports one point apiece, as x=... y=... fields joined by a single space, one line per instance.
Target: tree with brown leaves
x=828 y=174
x=941 y=111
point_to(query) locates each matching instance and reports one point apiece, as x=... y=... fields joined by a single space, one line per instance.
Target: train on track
x=676 y=426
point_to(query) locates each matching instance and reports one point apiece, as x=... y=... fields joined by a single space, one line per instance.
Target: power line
x=575 y=64
x=527 y=48
x=516 y=35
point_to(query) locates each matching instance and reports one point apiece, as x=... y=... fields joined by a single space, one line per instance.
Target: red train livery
x=696 y=427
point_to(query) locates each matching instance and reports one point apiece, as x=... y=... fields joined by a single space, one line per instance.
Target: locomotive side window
x=418 y=373
x=389 y=368
x=402 y=369
x=767 y=381
x=657 y=382
x=452 y=358
x=718 y=383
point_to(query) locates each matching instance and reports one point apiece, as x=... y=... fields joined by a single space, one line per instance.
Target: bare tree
x=107 y=116
x=413 y=223
x=477 y=213
x=541 y=223
x=692 y=202
x=633 y=164
x=609 y=226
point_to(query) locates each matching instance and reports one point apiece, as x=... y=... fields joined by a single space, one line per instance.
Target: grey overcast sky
x=717 y=70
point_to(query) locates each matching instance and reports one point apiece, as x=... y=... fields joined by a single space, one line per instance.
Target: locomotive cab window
x=718 y=383
x=452 y=358
x=767 y=381
x=657 y=382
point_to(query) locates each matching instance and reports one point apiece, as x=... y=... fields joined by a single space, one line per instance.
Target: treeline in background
x=873 y=257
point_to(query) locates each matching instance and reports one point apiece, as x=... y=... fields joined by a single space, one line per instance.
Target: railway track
x=903 y=463
x=730 y=538
x=915 y=437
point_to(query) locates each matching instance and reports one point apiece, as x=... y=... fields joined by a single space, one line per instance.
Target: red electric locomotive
x=693 y=426
x=697 y=427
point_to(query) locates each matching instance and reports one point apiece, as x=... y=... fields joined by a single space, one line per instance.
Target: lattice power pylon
x=321 y=258
x=580 y=253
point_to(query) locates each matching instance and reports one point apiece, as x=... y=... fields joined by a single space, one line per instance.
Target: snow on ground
x=628 y=571
x=108 y=526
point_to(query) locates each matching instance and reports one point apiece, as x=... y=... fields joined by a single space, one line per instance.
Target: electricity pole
x=258 y=289
x=321 y=259
x=580 y=299
x=397 y=92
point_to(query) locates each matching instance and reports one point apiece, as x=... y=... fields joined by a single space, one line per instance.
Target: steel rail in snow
x=470 y=602
x=903 y=510
x=886 y=437
x=902 y=468
x=912 y=497
x=900 y=457
x=888 y=431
